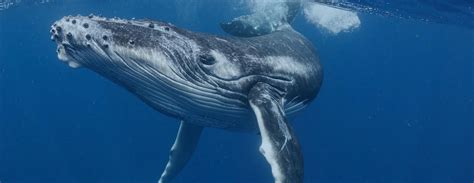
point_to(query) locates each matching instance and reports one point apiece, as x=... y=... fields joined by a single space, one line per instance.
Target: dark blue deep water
x=396 y=105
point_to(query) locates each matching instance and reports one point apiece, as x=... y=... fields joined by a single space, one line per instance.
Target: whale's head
x=162 y=64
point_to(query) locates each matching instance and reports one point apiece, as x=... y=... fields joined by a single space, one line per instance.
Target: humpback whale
x=251 y=81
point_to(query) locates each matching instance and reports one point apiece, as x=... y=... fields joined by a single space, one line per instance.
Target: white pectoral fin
x=182 y=150
x=279 y=145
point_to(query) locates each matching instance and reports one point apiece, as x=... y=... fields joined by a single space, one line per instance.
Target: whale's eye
x=207 y=59
x=167 y=29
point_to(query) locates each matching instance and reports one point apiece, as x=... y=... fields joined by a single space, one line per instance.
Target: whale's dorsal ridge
x=273 y=17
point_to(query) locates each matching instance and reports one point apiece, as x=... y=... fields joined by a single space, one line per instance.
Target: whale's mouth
x=65 y=57
x=63 y=40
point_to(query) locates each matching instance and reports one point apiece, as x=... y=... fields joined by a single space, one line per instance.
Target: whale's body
x=235 y=83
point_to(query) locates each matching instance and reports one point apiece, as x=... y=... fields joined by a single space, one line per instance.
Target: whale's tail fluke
x=267 y=17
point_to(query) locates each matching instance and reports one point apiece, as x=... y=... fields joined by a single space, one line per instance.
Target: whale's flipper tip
x=279 y=144
x=182 y=150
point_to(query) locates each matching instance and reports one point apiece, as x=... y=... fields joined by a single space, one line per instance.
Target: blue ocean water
x=396 y=105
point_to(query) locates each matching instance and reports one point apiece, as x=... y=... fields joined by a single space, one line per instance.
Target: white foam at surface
x=332 y=19
x=329 y=18
x=271 y=9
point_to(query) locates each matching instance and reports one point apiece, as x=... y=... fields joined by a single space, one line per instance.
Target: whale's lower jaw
x=174 y=97
x=184 y=102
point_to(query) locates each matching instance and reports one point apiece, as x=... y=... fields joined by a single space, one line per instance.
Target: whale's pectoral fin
x=182 y=150
x=279 y=144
